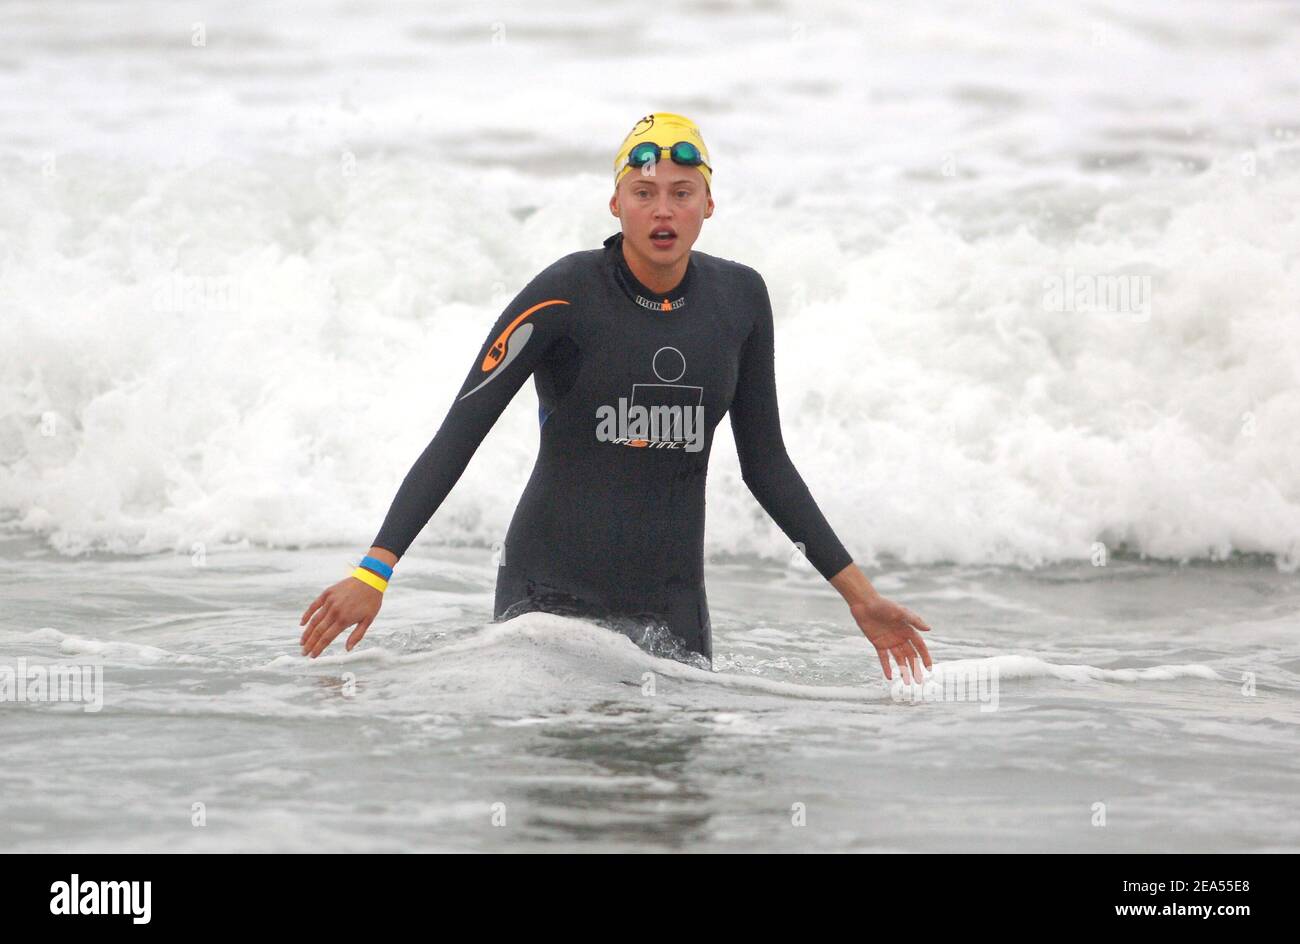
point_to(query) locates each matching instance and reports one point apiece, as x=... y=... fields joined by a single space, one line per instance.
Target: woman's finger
x=311 y=628
x=327 y=637
x=328 y=613
x=911 y=665
x=359 y=632
x=884 y=662
x=915 y=620
x=315 y=605
x=919 y=642
x=901 y=658
x=913 y=658
x=307 y=617
x=321 y=613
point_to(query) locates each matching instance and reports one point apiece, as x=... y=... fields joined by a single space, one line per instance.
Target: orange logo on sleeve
x=498 y=348
x=508 y=345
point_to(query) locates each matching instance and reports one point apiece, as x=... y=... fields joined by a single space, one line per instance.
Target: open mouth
x=663 y=237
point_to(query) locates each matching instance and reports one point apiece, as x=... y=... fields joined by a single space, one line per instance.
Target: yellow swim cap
x=665 y=129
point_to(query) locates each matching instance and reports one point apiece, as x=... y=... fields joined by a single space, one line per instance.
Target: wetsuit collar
x=654 y=301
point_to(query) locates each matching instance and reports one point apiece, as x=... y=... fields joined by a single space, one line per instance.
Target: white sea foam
x=112 y=650
x=541 y=654
x=246 y=327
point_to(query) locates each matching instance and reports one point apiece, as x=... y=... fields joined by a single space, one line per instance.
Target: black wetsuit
x=611 y=523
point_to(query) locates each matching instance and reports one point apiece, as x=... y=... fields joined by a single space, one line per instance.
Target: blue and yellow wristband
x=373 y=572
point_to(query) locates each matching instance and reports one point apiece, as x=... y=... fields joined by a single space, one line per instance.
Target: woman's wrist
x=376 y=568
x=853 y=585
x=383 y=554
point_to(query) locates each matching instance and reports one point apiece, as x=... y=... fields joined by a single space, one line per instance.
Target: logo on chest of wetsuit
x=664 y=415
x=664 y=305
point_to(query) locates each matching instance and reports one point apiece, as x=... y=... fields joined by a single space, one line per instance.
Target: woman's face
x=662 y=213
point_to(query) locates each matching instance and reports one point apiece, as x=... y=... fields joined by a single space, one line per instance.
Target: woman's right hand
x=348 y=602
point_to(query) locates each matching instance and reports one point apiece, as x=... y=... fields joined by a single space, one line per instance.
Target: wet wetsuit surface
x=630 y=386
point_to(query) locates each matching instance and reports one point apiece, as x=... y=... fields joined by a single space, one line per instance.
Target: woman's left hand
x=894 y=630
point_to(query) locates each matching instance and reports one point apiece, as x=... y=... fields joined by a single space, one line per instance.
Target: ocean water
x=1034 y=269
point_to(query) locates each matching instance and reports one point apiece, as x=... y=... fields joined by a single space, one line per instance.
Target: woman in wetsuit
x=637 y=350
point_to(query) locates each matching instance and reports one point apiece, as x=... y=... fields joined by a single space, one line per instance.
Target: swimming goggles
x=683 y=152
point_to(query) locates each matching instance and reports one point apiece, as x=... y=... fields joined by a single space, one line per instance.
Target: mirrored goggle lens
x=686 y=153
x=644 y=153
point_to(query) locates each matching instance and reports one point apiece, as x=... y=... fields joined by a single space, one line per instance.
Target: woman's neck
x=659 y=279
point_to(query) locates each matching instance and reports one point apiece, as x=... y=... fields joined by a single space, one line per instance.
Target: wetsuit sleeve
x=514 y=346
x=764 y=463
